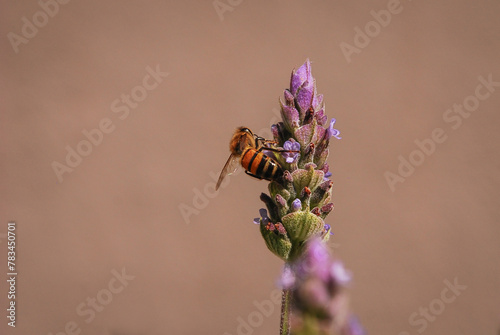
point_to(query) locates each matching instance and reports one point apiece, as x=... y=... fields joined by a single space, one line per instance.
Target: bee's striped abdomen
x=260 y=165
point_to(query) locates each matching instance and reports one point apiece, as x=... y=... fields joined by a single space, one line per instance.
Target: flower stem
x=286 y=304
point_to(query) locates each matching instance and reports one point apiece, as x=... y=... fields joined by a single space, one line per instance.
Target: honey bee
x=246 y=147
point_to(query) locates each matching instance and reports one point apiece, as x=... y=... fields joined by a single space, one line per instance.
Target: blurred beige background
x=119 y=209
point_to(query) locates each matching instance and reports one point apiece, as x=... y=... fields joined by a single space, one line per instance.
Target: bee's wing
x=231 y=165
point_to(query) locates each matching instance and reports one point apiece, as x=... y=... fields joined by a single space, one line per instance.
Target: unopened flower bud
x=296 y=205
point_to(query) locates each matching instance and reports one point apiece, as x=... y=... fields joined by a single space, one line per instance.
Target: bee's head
x=244 y=130
x=242 y=138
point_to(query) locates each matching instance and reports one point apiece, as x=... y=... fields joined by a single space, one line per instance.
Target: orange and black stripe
x=260 y=165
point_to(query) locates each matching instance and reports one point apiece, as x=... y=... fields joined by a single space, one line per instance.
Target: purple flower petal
x=332 y=131
x=264 y=219
x=291 y=145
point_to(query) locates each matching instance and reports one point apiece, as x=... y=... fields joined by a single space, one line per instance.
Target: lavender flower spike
x=317 y=283
x=298 y=204
x=304 y=128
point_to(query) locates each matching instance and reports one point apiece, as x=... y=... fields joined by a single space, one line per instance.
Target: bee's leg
x=252 y=175
x=276 y=150
x=264 y=141
x=261 y=141
x=260 y=138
